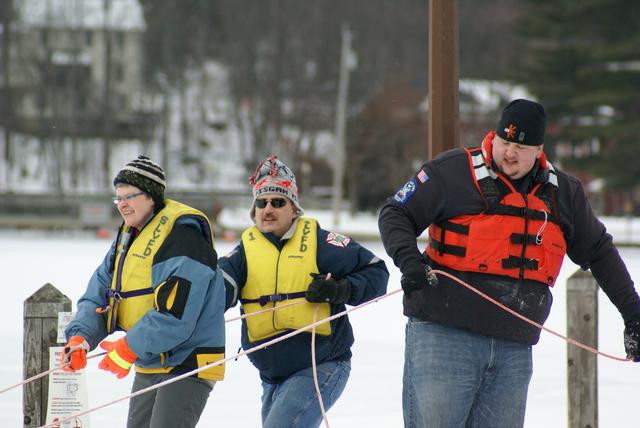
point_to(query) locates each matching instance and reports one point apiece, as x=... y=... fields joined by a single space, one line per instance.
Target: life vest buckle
x=263 y=300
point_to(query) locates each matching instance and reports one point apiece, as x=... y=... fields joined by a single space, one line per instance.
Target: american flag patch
x=422 y=176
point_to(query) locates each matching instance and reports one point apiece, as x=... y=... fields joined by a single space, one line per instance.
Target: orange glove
x=119 y=359
x=74 y=355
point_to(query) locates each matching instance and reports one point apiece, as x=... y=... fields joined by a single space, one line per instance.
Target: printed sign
x=64 y=318
x=67 y=394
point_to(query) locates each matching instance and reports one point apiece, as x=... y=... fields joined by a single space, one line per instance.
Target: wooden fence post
x=40 y=333
x=582 y=365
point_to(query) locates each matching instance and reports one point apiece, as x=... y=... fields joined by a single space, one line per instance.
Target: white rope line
x=523 y=318
x=217 y=363
x=44 y=373
x=274 y=308
x=315 y=370
x=312 y=326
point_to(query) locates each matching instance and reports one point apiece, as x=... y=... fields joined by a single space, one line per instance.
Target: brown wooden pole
x=443 y=76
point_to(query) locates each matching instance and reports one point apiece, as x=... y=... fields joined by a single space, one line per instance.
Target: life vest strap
x=278 y=297
x=119 y=295
x=522 y=212
x=519 y=239
x=447 y=249
x=460 y=229
x=519 y=262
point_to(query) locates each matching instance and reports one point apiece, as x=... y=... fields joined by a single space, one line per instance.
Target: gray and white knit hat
x=147 y=176
x=273 y=176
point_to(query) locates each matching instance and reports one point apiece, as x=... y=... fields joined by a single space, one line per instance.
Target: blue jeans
x=294 y=402
x=454 y=378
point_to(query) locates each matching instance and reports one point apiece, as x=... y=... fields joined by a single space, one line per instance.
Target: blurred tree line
x=284 y=55
x=583 y=62
x=284 y=58
x=579 y=58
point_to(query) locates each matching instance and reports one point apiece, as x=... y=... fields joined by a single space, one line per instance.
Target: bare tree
x=7 y=15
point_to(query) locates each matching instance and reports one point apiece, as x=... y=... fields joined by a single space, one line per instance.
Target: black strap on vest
x=493 y=196
x=460 y=229
x=519 y=238
x=278 y=297
x=440 y=245
x=119 y=295
x=520 y=263
x=447 y=249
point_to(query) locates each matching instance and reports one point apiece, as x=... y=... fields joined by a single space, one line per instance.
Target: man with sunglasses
x=287 y=263
x=160 y=284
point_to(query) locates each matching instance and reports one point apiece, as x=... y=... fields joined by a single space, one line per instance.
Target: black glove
x=417 y=276
x=632 y=339
x=323 y=290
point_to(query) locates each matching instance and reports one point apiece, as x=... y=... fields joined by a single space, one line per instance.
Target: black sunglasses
x=275 y=202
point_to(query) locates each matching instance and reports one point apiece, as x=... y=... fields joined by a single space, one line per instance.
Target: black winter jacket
x=444 y=188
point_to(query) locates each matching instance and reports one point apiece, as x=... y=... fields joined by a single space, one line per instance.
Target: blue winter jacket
x=198 y=325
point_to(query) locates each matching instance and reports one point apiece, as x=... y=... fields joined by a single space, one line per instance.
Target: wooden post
x=582 y=365
x=40 y=333
x=443 y=76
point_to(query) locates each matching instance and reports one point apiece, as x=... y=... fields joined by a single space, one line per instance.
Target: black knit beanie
x=522 y=122
x=147 y=176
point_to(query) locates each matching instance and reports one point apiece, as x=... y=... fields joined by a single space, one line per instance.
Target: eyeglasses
x=118 y=199
x=275 y=203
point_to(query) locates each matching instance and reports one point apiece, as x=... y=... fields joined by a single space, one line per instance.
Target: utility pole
x=443 y=76
x=347 y=63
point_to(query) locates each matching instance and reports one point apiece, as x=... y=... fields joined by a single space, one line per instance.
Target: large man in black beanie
x=500 y=218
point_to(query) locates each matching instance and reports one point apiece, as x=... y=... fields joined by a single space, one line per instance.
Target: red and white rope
x=44 y=373
x=522 y=317
x=312 y=326
x=315 y=370
x=217 y=363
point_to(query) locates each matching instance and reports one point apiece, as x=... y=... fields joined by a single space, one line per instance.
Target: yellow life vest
x=131 y=294
x=278 y=278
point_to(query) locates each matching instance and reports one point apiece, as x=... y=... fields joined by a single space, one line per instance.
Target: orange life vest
x=515 y=236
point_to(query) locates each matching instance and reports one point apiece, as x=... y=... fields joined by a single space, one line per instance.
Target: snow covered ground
x=373 y=394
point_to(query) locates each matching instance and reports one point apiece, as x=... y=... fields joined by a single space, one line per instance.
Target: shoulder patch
x=403 y=195
x=338 y=240
x=422 y=176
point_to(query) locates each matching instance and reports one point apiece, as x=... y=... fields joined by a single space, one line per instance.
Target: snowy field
x=373 y=394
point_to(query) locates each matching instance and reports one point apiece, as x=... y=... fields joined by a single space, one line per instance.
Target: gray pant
x=176 y=405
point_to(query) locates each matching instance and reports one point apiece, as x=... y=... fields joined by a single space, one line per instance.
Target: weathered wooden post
x=40 y=333
x=582 y=365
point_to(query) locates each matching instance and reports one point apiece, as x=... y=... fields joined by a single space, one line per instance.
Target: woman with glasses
x=160 y=284
x=286 y=260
